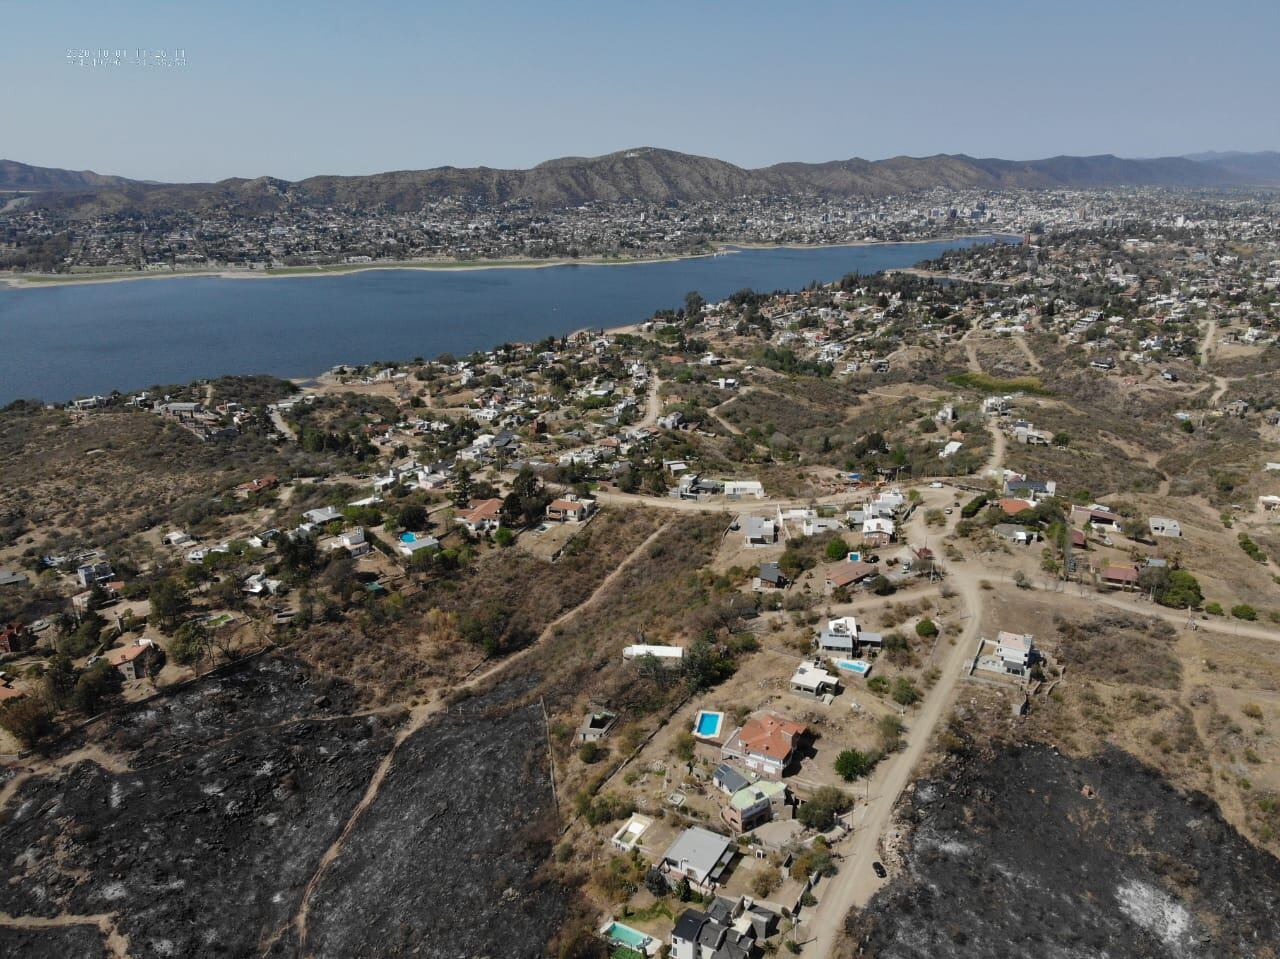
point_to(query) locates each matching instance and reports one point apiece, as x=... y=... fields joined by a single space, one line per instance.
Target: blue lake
x=64 y=341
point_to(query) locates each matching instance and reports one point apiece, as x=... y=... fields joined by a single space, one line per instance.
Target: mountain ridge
x=642 y=173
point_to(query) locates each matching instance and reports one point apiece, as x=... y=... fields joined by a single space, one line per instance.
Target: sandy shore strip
x=37 y=281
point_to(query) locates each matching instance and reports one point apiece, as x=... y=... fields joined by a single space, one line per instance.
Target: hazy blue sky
x=292 y=89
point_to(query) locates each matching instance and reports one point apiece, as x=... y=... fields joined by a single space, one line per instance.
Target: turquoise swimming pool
x=408 y=537
x=708 y=724
x=859 y=666
x=622 y=935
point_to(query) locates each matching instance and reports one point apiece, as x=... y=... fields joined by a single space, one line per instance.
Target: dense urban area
x=934 y=612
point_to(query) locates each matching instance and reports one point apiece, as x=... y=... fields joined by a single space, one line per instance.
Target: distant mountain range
x=647 y=173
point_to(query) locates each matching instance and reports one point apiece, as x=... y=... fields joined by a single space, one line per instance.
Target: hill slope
x=645 y=174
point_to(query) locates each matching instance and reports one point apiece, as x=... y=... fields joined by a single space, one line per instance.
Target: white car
x=935 y=485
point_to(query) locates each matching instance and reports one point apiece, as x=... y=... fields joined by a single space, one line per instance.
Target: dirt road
x=284 y=428
x=653 y=403
x=1025 y=347
x=855 y=883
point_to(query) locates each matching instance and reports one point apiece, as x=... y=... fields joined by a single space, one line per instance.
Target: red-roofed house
x=847 y=573
x=766 y=743
x=132 y=662
x=570 y=509
x=15 y=638
x=1120 y=577
x=1012 y=507
x=483 y=516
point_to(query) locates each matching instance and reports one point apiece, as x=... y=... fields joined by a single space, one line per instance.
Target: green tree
x=29 y=720
x=168 y=603
x=926 y=628
x=852 y=764
x=190 y=643
x=1181 y=592
x=412 y=516
x=95 y=687
x=837 y=549
x=60 y=681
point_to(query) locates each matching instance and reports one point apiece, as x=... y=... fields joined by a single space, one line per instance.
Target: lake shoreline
x=93 y=338
x=38 y=281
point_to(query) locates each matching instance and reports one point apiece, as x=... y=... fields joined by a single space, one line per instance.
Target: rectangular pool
x=707 y=724
x=623 y=935
x=859 y=666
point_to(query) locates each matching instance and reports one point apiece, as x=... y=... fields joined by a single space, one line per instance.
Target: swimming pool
x=859 y=666
x=708 y=723
x=408 y=537
x=622 y=935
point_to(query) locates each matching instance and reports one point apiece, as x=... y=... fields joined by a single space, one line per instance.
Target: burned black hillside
x=192 y=825
x=1034 y=854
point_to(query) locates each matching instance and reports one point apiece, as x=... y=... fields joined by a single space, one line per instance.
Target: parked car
x=878 y=868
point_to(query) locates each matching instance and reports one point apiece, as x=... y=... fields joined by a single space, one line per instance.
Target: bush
x=890 y=729
x=1213 y=609
x=684 y=746
x=1249 y=546
x=765 y=882
x=504 y=537
x=878 y=685
x=837 y=549
x=820 y=812
x=591 y=753
x=905 y=692
x=926 y=629
x=1244 y=611
x=974 y=506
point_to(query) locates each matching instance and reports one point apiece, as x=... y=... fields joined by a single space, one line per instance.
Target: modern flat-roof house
x=759 y=531
x=754 y=805
x=666 y=655
x=700 y=856
x=1164 y=526
x=739 y=488
x=766 y=743
x=813 y=680
x=1016 y=651
x=321 y=516
x=843 y=635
